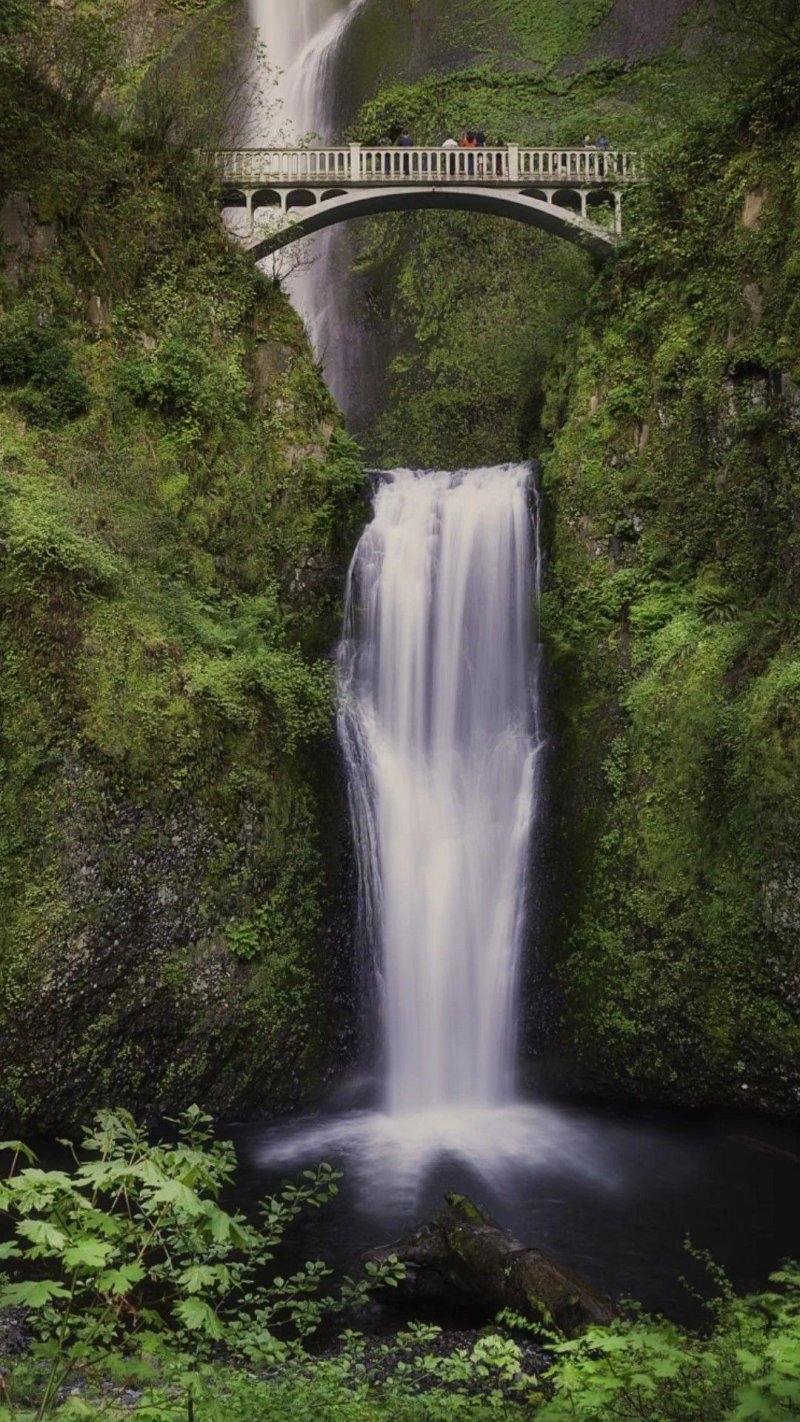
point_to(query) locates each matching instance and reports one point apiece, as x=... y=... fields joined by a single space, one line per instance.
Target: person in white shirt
x=451 y=143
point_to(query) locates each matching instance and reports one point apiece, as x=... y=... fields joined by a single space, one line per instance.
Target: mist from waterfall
x=302 y=39
x=440 y=728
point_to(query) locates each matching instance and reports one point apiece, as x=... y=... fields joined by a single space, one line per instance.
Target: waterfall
x=302 y=40
x=440 y=727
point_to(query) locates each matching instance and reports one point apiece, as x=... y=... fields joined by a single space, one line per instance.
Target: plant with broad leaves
x=129 y=1259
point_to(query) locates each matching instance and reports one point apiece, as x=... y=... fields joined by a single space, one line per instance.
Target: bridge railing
x=368 y=164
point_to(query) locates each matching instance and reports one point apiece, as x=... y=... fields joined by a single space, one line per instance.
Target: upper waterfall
x=302 y=39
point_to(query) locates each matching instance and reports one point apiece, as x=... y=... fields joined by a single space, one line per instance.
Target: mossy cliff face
x=177 y=506
x=671 y=619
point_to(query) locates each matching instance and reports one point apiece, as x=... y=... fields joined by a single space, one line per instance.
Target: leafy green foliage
x=187 y=382
x=38 y=363
x=479 y=309
x=129 y=1258
x=649 y=1370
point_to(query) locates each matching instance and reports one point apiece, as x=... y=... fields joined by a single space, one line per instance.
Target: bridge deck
x=357 y=165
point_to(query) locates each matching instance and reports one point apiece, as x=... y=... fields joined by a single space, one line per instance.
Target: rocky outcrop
x=462 y=1257
x=23 y=238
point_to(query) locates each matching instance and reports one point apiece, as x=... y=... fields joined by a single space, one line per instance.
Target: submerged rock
x=462 y=1258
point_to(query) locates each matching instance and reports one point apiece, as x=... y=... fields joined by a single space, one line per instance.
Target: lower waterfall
x=440 y=727
x=441 y=730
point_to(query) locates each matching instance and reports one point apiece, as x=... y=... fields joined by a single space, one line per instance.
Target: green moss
x=672 y=626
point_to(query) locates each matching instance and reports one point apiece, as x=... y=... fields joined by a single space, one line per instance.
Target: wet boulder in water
x=461 y=1258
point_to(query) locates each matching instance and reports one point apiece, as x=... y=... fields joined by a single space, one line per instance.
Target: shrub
x=186 y=381
x=129 y=1258
x=650 y=1370
x=37 y=362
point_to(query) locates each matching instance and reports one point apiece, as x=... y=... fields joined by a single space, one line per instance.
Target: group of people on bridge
x=477 y=163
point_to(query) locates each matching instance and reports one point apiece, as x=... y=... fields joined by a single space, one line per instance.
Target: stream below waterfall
x=612 y=1191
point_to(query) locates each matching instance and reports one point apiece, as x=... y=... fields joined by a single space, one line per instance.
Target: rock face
x=23 y=237
x=462 y=1257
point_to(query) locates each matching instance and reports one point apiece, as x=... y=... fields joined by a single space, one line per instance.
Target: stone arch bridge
x=290 y=193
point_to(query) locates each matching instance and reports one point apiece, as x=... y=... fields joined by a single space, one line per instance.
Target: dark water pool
x=613 y=1192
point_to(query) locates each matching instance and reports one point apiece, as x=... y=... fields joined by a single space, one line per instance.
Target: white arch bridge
x=290 y=193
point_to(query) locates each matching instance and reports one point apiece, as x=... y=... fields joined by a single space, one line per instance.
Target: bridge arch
x=570 y=222
x=301 y=197
x=266 y=197
x=569 y=199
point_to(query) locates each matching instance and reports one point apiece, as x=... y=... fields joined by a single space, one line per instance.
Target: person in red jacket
x=469 y=140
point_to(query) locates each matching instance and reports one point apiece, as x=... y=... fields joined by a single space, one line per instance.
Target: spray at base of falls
x=441 y=729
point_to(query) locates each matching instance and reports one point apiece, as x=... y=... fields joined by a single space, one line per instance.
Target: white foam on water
x=387 y=1156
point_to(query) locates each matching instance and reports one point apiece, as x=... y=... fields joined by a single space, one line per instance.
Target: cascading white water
x=302 y=39
x=439 y=723
x=441 y=731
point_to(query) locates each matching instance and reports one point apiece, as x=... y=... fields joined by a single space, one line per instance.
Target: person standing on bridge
x=480 y=142
x=406 y=141
x=469 y=140
x=602 y=161
x=450 y=164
